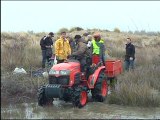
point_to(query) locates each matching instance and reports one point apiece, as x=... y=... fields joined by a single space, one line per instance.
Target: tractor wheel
x=42 y=99
x=79 y=97
x=101 y=88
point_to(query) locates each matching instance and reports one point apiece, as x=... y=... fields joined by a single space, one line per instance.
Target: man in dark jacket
x=130 y=55
x=80 y=51
x=46 y=44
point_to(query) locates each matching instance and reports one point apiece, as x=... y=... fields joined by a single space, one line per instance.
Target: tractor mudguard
x=93 y=78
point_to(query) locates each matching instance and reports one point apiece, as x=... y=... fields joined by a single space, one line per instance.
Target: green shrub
x=76 y=29
x=63 y=30
x=117 y=30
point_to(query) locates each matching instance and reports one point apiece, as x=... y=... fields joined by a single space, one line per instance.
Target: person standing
x=46 y=44
x=130 y=55
x=89 y=41
x=62 y=48
x=71 y=42
x=98 y=49
x=89 y=56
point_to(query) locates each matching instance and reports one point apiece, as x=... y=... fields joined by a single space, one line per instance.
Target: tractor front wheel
x=42 y=99
x=79 y=97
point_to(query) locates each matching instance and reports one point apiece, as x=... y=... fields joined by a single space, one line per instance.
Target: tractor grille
x=62 y=80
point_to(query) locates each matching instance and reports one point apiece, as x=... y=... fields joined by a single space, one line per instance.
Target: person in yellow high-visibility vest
x=98 y=49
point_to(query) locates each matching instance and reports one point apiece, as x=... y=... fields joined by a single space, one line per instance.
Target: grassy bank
x=20 y=88
x=138 y=88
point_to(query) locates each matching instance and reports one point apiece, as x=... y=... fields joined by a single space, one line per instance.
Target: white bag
x=19 y=70
x=45 y=74
x=89 y=44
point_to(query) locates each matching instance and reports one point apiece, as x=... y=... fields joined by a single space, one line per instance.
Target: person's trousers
x=128 y=65
x=82 y=64
x=96 y=59
x=44 y=58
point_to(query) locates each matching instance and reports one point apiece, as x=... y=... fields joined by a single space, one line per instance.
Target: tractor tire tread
x=96 y=91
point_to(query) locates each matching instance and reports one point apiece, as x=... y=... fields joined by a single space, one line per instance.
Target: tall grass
x=22 y=50
x=140 y=87
x=19 y=88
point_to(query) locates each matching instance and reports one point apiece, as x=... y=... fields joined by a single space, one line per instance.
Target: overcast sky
x=46 y=16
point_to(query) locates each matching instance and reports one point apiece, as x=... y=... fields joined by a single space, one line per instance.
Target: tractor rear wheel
x=79 y=97
x=42 y=99
x=100 y=91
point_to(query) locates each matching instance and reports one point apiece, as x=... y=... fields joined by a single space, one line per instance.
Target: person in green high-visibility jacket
x=98 y=49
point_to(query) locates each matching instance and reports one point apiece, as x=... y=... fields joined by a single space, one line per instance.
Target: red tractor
x=67 y=83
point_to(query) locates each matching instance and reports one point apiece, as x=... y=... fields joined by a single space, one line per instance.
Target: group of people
x=84 y=51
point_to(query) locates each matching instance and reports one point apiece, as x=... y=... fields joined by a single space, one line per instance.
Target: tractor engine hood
x=66 y=66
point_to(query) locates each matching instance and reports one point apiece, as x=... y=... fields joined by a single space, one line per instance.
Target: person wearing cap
x=62 y=48
x=46 y=44
x=89 y=57
x=80 y=52
x=130 y=55
x=98 y=48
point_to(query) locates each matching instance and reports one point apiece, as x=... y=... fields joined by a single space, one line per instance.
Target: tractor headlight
x=53 y=72
x=61 y=72
x=64 y=72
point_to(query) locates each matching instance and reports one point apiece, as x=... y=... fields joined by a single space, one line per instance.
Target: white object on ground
x=19 y=70
x=45 y=74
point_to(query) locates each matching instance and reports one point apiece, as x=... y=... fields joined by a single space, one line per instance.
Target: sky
x=46 y=16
